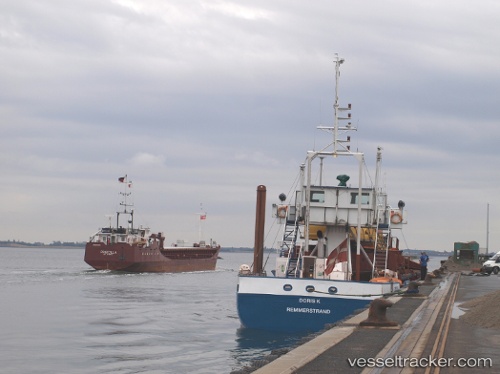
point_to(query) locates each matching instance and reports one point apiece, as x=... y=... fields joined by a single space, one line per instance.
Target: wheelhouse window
x=365 y=198
x=317 y=196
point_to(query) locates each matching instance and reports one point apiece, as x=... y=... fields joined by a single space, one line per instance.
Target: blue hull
x=302 y=304
x=293 y=313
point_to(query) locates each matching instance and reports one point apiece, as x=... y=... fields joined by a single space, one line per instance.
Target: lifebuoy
x=282 y=211
x=386 y=280
x=396 y=217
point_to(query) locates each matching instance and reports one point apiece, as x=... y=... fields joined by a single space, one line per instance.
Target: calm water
x=60 y=316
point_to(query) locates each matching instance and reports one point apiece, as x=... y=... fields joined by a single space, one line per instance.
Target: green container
x=466 y=252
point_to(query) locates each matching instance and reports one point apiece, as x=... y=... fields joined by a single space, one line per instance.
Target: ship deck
x=427 y=328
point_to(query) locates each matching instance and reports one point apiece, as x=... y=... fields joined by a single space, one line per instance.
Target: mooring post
x=376 y=314
x=260 y=219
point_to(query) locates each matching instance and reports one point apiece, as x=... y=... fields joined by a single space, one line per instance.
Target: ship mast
x=202 y=217
x=378 y=206
x=339 y=149
x=124 y=203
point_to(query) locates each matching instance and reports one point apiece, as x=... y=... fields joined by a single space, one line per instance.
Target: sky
x=199 y=102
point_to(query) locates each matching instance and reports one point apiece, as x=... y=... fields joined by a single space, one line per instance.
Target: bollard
x=437 y=273
x=428 y=279
x=412 y=288
x=376 y=314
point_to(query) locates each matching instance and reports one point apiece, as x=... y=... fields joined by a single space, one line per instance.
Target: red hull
x=406 y=268
x=133 y=258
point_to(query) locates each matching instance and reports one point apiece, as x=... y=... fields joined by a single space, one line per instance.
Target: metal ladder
x=380 y=254
x=294 y=261
x=379 y=260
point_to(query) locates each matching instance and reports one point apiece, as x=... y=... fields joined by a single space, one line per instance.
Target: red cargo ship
x=134 y=249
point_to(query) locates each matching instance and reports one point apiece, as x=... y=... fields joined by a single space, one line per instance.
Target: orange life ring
x=396 y=217
x=386 y=280
x=282 y=211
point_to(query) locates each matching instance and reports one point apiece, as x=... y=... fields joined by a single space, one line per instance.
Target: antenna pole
x=202 y=217
x=338 y=61
x=487 y=227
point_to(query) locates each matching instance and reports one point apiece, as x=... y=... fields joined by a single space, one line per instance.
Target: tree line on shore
x=20 y=243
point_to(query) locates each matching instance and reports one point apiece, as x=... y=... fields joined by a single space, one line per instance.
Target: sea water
x=58 y=315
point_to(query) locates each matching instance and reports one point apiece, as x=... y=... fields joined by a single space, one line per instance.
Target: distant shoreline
x=68 y=245
x=25 y=246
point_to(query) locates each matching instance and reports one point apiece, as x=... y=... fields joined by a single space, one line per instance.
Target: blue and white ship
x=338 y=251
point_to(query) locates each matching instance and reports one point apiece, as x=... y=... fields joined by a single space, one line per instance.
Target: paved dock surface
x=428 y=328
x=466 y=341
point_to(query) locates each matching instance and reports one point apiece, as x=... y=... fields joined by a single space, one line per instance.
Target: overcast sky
x=199 y=102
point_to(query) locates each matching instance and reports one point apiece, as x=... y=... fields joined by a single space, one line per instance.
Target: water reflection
x=253 y=344
x=83 y=321
x=457 y=311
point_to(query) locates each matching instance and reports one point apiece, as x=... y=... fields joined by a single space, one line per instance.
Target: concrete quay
x=428 y=333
